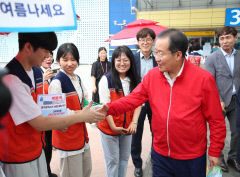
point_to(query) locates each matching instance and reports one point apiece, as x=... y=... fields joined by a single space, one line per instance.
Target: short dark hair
x=177 y=40
x=196 y=46
x=45 y=40
x=99 y=50
x=144 y=32
x=227 y=30
x=66 y=48
x=131 y=73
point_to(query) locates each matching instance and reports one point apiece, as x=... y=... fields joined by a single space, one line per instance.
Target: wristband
x=134 y=122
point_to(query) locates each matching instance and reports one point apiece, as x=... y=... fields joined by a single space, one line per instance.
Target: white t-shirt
x=23 y=107
x=104 y=93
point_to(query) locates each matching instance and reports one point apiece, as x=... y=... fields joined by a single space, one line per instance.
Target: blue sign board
x=232 y=17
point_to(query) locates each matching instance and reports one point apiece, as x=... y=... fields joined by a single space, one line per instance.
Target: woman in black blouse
x=99 y=68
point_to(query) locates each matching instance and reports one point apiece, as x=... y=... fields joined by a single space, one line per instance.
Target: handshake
x=93 y=114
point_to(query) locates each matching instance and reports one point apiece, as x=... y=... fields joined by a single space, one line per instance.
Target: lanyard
x=81 y=103
x=103 y=69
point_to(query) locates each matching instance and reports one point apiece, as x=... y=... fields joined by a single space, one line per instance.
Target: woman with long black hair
x=116 y=131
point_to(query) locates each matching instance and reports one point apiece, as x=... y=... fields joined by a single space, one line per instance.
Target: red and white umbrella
x=127 y=36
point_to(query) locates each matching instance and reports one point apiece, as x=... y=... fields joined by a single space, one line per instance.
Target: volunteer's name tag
x=52 y=104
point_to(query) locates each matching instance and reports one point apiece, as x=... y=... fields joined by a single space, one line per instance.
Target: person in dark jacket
x=145 y=61
x=224 y=65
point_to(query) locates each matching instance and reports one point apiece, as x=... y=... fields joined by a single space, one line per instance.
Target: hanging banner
x=232 y=17
x=37 y=15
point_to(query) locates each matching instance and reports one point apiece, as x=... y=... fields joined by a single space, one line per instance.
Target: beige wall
x=187 y=19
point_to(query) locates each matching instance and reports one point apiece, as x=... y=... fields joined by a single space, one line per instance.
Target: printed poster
x=52 y=104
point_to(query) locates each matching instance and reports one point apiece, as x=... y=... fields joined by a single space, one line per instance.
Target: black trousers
x=95 y=96
x=48 y=149
x=237 y=116
x=230 y=113
x=136 y=147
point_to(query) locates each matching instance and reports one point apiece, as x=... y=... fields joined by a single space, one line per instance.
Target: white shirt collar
x=142 y=56
x=173 y=79
x=43 y=69
x=71 y=77
x=126 y=79
x=225 y=53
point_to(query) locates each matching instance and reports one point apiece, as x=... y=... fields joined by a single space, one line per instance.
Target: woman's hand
x=48 y=74
x=119 y=130
x=132 y=128
x=94 y=89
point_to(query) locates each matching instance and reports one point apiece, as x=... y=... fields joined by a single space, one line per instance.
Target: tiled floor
x=98 y=163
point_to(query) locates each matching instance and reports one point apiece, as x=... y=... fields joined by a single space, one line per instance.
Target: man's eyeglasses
x=160 y=54
x=148 y=40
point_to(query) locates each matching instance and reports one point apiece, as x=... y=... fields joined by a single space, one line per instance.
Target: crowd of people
x=197 y=54
x=177 y=96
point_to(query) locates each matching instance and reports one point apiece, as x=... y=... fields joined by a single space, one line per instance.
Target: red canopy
x=141 y=22
x=127 y=36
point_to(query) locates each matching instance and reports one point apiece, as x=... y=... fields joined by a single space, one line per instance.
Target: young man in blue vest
x=21 y=147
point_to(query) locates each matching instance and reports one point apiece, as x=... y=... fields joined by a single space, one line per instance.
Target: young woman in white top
x=116 y=131
x=72 y=143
